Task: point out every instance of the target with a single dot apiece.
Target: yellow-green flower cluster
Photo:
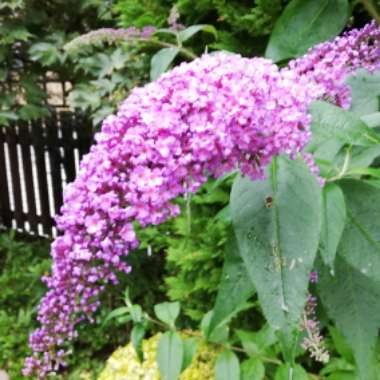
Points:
(125, 365)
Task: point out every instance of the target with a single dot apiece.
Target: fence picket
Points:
(11, 139)
(36, 160)
(5, 210)
(25, 142)
(55, 159)
(39, 149)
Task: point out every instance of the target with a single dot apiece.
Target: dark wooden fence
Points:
(37, 159)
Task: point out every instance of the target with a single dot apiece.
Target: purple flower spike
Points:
(314, 277)
(208, 117)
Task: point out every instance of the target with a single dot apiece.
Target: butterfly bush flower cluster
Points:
(173, 20)
(112, 35)
(205, 118)
(329, 63)
(313, 341)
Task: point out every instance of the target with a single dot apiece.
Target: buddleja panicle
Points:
(202, 119)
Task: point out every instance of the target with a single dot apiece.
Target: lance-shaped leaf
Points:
(235, 287)
(189, 32)
(331, 122)
(190, 346)
(286, 372)
(360, 243)
(333, 222)
(170, 355)
(227, 366)
(352, 301)
(365, 92)
(277, 225)
(303, 24)
(252, 369)
(137, 336)
(161, 61)
(372, 119)
(362, 157)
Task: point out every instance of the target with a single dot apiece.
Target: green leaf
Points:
(255, 343)
(161, 61)
(235, 287)
(336, 364)
(99, 65)
(328, 150)
(372, 120)
(265, 337)
(363, 156)
(7, 116)
(341, 345)
(285, 372)
(84, 97)
(167, 312)
(331, 122)
(137, 336)
(327, 169)
(32, 111)
(373, 182)
(277, 224)
(365, 92)
(119, 59)
(252, 369)
(216, 335)
(46, 53)
(127, 297)
(120, 311)
(342, 375)
(190, 346)
(33, 92)
(333, 222)
(101, 114)
(372, 172)
(136, 313)
(303, 24)
(184, 35)
(352, 301)
(165, 31)
(224, 215)
(170, 355)
(227, 366)
(11, 32)
(248, 342)
(360, 243)
(3, 74)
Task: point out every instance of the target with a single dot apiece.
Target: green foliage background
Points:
(183, 259)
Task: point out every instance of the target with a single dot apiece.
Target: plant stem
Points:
(197, 334)
(345, 166)
(290, 374)
(263, 358)
(183, 51)
(188, 213)
(371, 9)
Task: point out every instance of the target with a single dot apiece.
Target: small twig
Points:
(263, 358)
(371, 9)
(188, 212)
(183, 51)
